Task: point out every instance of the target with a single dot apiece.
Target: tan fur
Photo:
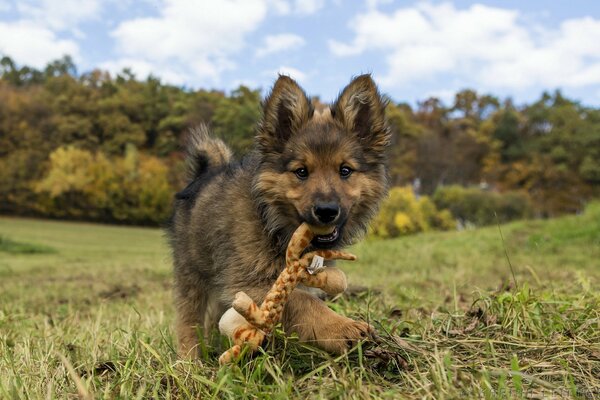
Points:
(322, 116)
(234, 220)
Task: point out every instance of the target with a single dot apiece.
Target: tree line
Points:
(109, 148)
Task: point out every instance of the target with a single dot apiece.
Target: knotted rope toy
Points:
(247, 324)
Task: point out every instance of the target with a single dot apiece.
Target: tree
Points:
(549, 148)
(403, 147)
(508, 133)
(235, 118)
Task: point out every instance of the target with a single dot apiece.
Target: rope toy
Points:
(247, 324)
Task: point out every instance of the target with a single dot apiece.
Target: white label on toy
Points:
(316, 265)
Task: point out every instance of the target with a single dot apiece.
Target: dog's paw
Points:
(343, 334)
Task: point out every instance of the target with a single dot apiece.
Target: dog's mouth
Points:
(328, 238)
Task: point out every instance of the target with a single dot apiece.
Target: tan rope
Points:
(261, 320)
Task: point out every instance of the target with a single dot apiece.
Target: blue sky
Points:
(415, 49)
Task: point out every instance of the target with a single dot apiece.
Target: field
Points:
(510, 311)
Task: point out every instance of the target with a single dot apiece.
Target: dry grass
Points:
(93, 319)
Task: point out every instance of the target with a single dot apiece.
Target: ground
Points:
(509, 311)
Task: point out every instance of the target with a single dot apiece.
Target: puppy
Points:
(233, 221)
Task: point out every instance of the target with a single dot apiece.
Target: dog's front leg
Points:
(317, 324)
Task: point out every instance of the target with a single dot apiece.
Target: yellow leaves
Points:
(403, 223)
(68, 171)
(445, 220)
(133, 188)
(403, 213)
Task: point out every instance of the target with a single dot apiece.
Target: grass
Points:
(93, 317)
(10, 246)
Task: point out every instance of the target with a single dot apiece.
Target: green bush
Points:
(481, 207)
(402, 213)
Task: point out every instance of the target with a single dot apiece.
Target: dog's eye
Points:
(301, 173)
(345, 172)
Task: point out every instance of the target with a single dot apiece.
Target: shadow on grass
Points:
(10, 246)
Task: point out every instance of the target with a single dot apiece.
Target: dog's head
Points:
(326, 168)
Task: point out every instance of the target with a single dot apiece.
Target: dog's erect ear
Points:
(286, 110)
(361, 109)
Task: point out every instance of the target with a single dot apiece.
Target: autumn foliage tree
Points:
(108, 147)
(85, 185)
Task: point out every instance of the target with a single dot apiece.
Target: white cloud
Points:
(281, 42)
(32, 39)
(308, 6)
(375, 3)
(142, 69)
(59, 15)
(486, 46)
(280, 6)
(302, 7)
(445, 95)
(201, 38)
(28, 43)
(292, 72)
(183, 44)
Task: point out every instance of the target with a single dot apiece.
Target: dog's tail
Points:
(205, 152)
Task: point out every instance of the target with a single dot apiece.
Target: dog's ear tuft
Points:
(286, 110)
(361, 110)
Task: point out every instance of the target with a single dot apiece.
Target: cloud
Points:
(308, 6)
(182, 43)
(486, 46)
(197, 44)
(201, 38)
(59, 15)
(445, 95)
(281, 42)
(375, 3)
(292, 72)
(142, 69)
(28, 43)
(33, 38)
(302, 7)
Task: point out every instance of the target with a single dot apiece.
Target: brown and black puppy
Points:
(234, 220)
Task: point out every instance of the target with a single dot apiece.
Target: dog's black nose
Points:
(326, 212)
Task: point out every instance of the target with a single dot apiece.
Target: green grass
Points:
(91, 316)
(10, 246)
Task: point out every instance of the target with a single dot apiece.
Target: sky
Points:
(414, 49)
